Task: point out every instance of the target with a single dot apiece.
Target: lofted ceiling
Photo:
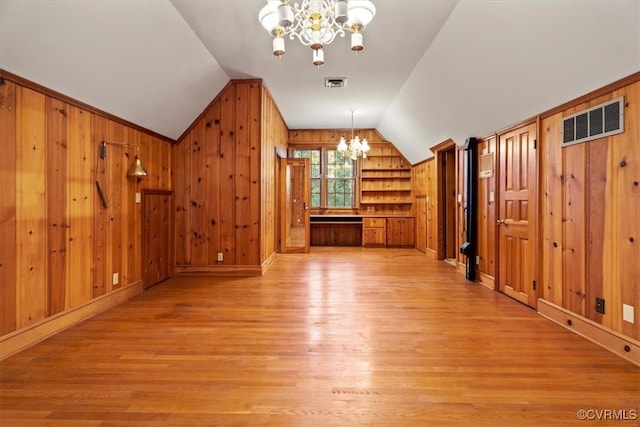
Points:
(430, 70)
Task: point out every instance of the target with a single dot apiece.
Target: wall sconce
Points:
(136, 170)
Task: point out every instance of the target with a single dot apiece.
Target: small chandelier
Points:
(355, 148)
(316, 23)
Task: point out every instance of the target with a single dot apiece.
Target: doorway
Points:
(449, 204)
(294, 205)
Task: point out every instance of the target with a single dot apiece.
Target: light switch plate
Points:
(459, 198)
(492, 197)
(138, 197)
(116, 278)
(628, 313)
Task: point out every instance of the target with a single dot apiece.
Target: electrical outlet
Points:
(220, 257)
(600, 305)
(116, 278)
(477, 259)
(459, 198)
(628, 313)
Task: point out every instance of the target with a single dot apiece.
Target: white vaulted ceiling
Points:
(431, 69)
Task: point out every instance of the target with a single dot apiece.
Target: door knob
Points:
(500, 221)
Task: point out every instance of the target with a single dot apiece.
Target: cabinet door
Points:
(401, 232)
(374, 237)
(408, 238)
(374, 232)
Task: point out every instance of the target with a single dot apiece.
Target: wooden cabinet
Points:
(401, 232)
(374, 232)
(385, 180)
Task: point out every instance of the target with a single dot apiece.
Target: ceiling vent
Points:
(335, 82)
(597, 122)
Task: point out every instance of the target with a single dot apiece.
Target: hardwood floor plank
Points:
(337, 337)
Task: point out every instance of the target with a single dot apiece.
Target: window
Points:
(333, 181)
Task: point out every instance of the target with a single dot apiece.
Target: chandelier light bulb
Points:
(278, 46)
(285, 15)
(318, 57)
(357, 42)
(341, 11)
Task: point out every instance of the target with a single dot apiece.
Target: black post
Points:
(469, 248)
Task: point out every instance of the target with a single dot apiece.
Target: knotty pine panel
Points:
(551, 202)
(197, 209)
(222, 204)
(80, 191)
(225, 187)
(31, 228)
(243, 247)
(8, 245)
(57, 222)
(211, 175)
(573, 215)
(100, 214)
(596, 193)
(255, 173)
(181, 166)
(591, 216)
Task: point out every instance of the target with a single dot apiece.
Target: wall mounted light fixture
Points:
(136, 169)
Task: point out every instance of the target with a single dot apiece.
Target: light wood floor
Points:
(338, 337)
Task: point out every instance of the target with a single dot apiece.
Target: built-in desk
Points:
(368, 230)
(336, 230)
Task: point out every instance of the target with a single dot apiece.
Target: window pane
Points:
(315, 200)
(315, 171)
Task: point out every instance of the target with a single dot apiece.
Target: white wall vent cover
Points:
(335, 82)
(603, 120)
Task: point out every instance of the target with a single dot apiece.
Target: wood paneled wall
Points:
(425, 186)
(590, 216)
(225, 183)
(331, 136)
(59, 247)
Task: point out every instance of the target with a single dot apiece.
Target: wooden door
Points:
(294, 205)
(517, 214)
(157, 235)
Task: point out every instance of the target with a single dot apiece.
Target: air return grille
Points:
(602, 120)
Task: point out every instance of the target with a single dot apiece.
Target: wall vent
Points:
(335, 82)
(603, 120)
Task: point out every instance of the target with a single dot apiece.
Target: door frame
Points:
(440, 152)
(284, 167)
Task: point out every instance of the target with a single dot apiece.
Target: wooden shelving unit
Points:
(385, 178)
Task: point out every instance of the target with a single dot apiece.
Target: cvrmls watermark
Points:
(607, 414)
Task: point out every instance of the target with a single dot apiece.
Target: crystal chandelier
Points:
(355, 148)
(316, 23)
